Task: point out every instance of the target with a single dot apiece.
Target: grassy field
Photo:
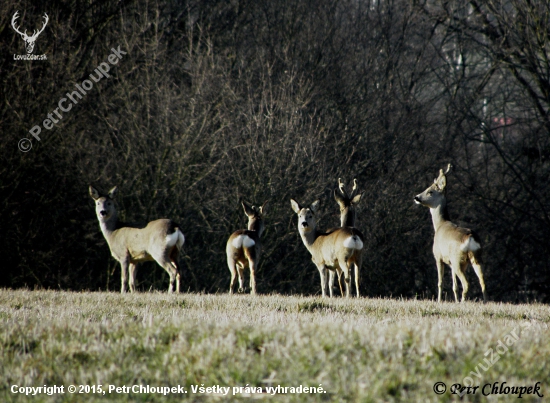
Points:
(358, 350)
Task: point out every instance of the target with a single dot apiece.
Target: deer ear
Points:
(338, 197)
(295, 206)
(93, 192)
(248, 209)
(112, 193)
(262, 209)
(315, 206)
(441, 181)
(355, 201)
(342, 187)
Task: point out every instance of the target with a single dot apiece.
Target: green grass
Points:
(359, 350)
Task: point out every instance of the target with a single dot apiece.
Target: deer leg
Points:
(463, 281)
(174, 254)
(357, 278)
(253, 256)
(476, 264)
(345, 268)
(132, 277)
(455, 285)
(339, 272)
(440, 267)
(240, 270)
(163, 260)
(252, 265)
(330, 282)
(172, 279)
(323, 273)
(172, 272)
(233, 270)
(178, 276)
(123, 273)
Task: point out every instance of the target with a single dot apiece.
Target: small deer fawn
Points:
(453, 245)
(160, 240)
(244, 248)
(337, 248)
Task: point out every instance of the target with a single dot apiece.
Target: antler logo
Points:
(29, 40)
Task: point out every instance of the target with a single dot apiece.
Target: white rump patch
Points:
(248, 242)
(181, 239)
(237, 242)
(243, 240)
(353, 242)
(176, 238)
(470, 244)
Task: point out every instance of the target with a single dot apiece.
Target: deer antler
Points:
(354, 190)
(24, 34)
(449, 168)
(35, 34)
(342, 188)
(15, 16)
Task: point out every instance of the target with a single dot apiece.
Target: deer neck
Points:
(109, 226)
(347, 218)
(257, 226)
(440, 215)
(309, 237)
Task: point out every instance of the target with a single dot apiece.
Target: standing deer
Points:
(453, 245)
(338, 248)
(348, 215)
(160, 240)
(243, 247)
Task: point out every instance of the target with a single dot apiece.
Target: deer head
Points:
(105, 205)
(347, 203)
(434, 195)
(29, 40)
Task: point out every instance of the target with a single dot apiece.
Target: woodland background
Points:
(267, 100)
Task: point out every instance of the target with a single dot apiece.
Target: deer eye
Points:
(430, 193)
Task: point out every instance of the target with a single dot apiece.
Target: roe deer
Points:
(347, 203)
(453, 245)
(161, 241)
(243, 247)
(348, 215)
(338, 248)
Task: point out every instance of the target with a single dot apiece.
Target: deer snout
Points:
(305, 224)
(417, 199)
(103, 213)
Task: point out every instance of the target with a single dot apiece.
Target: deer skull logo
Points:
(29, 40)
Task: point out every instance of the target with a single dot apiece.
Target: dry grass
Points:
(359, 350)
